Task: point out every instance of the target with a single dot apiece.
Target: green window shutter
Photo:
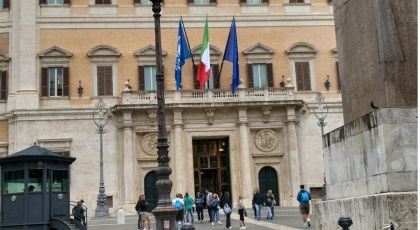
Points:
(66, 81)
(250, 76)
(3, 85)
(141, 78)
(270, 81)
(44, 82)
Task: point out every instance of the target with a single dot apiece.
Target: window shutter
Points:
(216, 80)
(213, 1)
(196, 83)
(136, 1)
(303, 80)
(42, 2)
(243, 1)
(190, 1)
(6, 4)
(270, 82)
(338, 75)
(100, 81)
(3, 85)
(66, 81)
(264, 1)
(108, 81)
(141, 78)
(44, 82)
(67, 2)
(250, 76)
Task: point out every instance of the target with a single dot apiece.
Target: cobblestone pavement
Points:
(285, 219)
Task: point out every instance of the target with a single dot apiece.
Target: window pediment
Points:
(214, 53)
(4, 57)
(104, 51)
(147, 55)
(302, 49)
(258, 53)
(56, 52)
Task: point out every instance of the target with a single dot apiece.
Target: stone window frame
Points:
(55, 57)
(104, 55)
(260, 54)
(57, 145)
(302, 52)
(215, 55)
(146, 56)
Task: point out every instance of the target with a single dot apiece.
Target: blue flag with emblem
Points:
(231, 54)
(182, 53)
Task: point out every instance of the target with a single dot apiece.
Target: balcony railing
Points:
(209, 96)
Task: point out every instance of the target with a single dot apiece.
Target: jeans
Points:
(215, 213)
(269, 214)
(200, 214)
(190, 212)
(139, 222)
(258, 211)
(228, 220)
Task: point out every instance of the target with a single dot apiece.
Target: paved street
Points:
(285, 219)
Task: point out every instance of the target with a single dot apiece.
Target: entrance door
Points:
(150, 190)
(211, 165)
(268, 181)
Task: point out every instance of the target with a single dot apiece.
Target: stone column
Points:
(293, 152)
(24, 75)
(129, 159)
(245, 157)
(179, 158)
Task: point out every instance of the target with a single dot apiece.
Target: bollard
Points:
(187, 226)
(120, 216)
(345, 222)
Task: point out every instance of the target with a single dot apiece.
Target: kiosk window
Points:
(35, 180)
(13, 182)
(60, 181)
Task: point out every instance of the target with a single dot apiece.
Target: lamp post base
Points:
(101, 211)
(165, 217)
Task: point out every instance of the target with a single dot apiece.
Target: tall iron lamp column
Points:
(101, 117)
(321, 112)
(164, 212)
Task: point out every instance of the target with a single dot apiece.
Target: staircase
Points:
(70, 224)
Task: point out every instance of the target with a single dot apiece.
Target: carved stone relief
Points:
(266, 140)
(149, 143)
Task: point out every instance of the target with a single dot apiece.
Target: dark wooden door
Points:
(150, 190)
(268, 180)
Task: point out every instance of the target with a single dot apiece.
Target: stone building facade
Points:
(58, 57)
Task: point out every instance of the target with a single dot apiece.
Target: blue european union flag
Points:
(182, 53)
(231, 54)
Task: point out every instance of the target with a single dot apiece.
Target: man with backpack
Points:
(304, 197)
(178, 203)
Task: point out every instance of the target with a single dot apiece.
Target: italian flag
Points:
(203, 72)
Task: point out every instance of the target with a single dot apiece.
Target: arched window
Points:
(268, 180)
(301, 56)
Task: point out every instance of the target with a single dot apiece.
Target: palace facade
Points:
(57, 57)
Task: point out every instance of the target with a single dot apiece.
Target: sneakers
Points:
(243, 227)
(219, 222)
(212, 223)
(230, 227)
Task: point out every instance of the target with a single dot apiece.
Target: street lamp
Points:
(164, 212)
(321, 112)
(101, 117)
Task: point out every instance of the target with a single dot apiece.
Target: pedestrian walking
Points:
(209, 197)
(258, 201)
(78, 213)
(304, 197)
(188, 201)
(242, 212)
(178, 203)
(215, 204)
(268, 204)
(273, 202)
(141, 207)
(199, 205)
(227, 208)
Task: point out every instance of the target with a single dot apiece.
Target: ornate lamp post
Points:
(164, 212)
(321, 113)
(101, 117)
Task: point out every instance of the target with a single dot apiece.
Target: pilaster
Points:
(293, 152)
(180, 158)
(129, 160)
(24, 85)
(245, 154)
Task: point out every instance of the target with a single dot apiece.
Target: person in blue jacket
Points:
(304, 197)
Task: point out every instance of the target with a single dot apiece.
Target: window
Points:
(150, 78)
(259, 74)
(60, 181)
(35, 180)
(202, 2)
(55, 2)
(54, 82)
(296, 1)
(143, 2)
(104, 80)
(4, 4)
(13, 182)
(3, 85)
(215, 53)
(259, 68)
(213, 82)
(253, 1)
(303, 79)
(102, 1)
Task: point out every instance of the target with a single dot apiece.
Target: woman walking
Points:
(188, 206)
(242, 213)
(227, 208)
(273, 202)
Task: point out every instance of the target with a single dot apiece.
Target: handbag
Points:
(227, 209)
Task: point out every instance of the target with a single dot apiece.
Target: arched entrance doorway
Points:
(150, 190)
(268, 180)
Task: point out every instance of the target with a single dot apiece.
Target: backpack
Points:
(227, 209)
(178, 204)
(199, 202)
(304, 197)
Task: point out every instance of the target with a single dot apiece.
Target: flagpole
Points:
(186, 37)
(223, 61)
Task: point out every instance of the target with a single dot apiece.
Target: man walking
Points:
(209, 199)
(258, 200)
(304, 197)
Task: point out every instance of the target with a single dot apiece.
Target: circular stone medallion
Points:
(266, 140)
(149, 144)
